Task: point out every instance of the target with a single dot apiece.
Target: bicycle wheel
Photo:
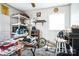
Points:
(42, 42)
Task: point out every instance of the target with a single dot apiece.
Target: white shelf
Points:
(18, 24)
(20, 16)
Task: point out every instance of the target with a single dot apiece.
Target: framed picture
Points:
(38, 14)
(5, 9)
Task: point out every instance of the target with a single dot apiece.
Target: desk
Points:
(74, 42)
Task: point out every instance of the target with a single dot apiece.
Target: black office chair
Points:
(60, 34)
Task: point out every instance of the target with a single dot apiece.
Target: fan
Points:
(33, 5)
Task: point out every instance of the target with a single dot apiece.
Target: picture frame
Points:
(38, 14)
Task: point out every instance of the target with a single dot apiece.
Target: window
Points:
(57, 21)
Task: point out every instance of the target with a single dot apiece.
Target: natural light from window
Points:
(57, 21)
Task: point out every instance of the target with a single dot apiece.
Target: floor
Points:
(38, 52)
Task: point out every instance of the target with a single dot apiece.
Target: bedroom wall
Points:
(46, 33)
(5, 23)
(75, 14)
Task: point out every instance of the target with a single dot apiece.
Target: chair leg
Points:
(33, 52)
(19, 52)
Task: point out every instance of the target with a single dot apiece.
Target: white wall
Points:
(75, 13)
(4, 26)
(46, 33)
(11, 11)
(5, 23)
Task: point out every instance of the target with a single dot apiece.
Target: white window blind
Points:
(57, 21)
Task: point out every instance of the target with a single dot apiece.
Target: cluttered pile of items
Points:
(18, 40)
(70, 39)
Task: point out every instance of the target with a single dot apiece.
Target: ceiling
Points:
(28, 6)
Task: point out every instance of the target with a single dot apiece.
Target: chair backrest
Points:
(60, 34)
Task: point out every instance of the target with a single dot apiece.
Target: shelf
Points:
(39, 21)
(34, 34)
(17, 16)
(18, 24)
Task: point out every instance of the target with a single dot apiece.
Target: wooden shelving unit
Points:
(21, 18)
